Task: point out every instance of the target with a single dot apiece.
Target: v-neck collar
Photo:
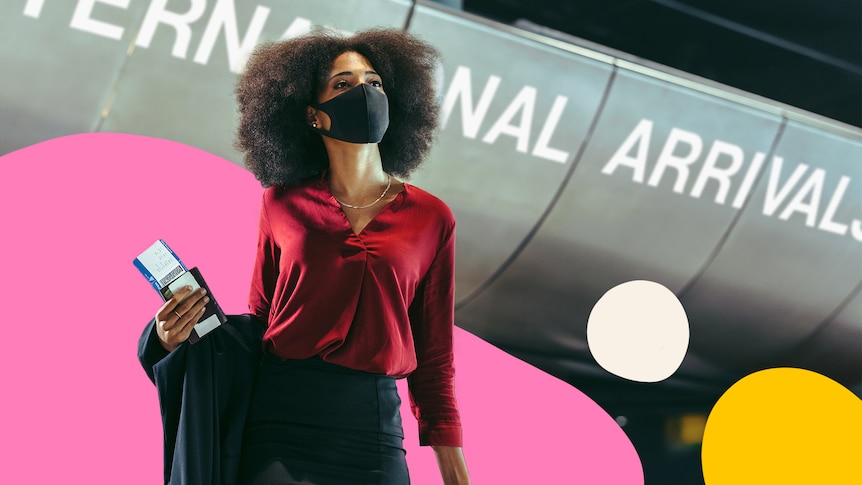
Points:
(388, 206)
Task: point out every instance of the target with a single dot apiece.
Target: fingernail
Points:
(207, 300)
(187, 288)
(203, 291)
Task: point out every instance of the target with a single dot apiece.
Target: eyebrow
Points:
(350, 73)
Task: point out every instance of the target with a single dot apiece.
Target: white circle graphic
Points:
(639, 331)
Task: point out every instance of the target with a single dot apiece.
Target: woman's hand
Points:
(176, 319)
(453, 468)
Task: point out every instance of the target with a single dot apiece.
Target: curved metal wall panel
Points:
(651, 198)
(836, 347)
(792, 259)
(160, 68)
(515, 113)
(190, 98)
(56, 74)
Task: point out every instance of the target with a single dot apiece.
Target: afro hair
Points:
(283, 78)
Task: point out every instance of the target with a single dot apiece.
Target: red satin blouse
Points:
(380, 301)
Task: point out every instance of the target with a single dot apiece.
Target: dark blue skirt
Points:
(312, 422)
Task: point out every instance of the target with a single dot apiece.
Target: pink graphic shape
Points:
(78, 209)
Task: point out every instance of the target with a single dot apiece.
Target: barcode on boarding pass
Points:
(171, 276)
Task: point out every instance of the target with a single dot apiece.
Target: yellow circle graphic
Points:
(784, 426)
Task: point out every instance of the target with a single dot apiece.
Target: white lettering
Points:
(516, 120)
(668, 159)
(157, 14)
(224, 18)
(773, 200)
(542, 149)
(787, 192)
(471, 119)
(524, 103)
(748, 181)
(299, 26)
(81, 19)
(720, 175)
(813, 189)
(856, 229)
(640, 136)
(827, 223)
(33, 8)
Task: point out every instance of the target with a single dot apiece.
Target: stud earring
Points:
(314, 124)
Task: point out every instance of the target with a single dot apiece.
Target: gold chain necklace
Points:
(388, 184)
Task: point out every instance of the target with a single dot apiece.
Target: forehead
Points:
(350, 61)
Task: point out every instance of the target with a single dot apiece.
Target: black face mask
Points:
(358, 115)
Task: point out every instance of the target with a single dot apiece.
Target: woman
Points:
(354, 273)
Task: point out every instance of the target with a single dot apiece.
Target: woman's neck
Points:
(354, 169)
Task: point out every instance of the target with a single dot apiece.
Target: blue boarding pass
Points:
(159, 265)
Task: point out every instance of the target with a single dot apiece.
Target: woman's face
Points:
(348, 70)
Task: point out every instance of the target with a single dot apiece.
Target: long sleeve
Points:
(431, 385)
(150, 351)
(265, 273)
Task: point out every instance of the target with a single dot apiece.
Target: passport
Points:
(166, 273)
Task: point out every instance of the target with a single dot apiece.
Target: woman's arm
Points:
(265, 270)
(453, 468)
(431, 385)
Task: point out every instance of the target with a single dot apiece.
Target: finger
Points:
(191, 317)
(200, 304)
(180, 329)
(170, 318)
(172, 303)
(190, 301)
(171, 322)
(189, 323)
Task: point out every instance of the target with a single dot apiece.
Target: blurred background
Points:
(804, 53)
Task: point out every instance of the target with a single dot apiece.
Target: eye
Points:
(340, 84)
(376, 83)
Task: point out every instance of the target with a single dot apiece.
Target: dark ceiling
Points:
(804, 53)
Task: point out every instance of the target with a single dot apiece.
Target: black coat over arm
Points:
(204, 393)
